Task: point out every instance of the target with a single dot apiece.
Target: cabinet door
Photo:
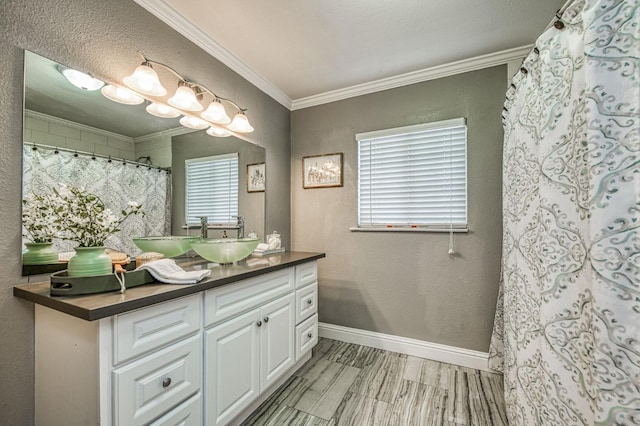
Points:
(277, 339)
(232, 362)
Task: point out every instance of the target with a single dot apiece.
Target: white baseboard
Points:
(407, 346)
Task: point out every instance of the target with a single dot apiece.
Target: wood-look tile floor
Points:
(348, 384)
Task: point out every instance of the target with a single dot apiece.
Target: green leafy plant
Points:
(83, 217)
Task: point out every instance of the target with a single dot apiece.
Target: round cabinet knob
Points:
(259, 323)
(309, 335)
(309, 301)
(166, 382)
(266, 319)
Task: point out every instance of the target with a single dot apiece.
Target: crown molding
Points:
(169, 132)
(440, 71)
(178, 22)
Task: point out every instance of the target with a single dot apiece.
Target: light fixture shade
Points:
(216, 113)
(81, 80)
(121, 95)
(185, 99)
(218, 132)
(193, 122)
(240, 123)
(162, 110)
(145, 80)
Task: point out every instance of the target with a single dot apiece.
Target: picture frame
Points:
(322, 171)
(256, 177)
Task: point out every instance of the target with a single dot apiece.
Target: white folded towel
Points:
(262, 247)
(167, 271)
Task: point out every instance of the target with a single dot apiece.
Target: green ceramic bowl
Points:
(170, 246)
(225, 250)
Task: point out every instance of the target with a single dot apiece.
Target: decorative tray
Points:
(62, 285)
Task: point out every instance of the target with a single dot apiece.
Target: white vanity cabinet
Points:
(126, 370)
(250, 343)
(207, 358)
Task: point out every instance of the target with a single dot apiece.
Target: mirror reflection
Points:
(122, 153)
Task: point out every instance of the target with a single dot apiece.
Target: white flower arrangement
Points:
(82, 216)
(39, 220)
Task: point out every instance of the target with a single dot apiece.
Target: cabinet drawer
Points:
(306, 336)
(189, 413)
(149, 387)
(306, 274)
(230, 300)
(149, 328)
(306, 302)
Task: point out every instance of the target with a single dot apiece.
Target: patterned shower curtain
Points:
(114, 182)
(567, 326)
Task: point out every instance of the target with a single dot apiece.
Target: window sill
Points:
(399, 229)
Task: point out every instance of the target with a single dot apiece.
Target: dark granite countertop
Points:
(96, 306)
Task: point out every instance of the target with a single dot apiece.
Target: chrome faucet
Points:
(240, 226)
(204, 231)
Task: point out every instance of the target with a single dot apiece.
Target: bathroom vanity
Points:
(161, 354)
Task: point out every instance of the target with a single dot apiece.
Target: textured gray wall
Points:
(102, 37)
(400, 283)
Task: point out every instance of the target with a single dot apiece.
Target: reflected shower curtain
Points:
(114, 182)
(567, 326)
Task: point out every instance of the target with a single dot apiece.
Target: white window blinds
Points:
(413, 177)
(212, 188)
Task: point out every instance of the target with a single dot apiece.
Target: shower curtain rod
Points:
(553, 21)
(93, 156)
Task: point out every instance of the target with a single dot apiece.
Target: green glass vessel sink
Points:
(170, 245)
(226, 250)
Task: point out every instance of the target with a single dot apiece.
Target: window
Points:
(413, 177)
(212, 188)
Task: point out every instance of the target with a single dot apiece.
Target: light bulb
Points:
(185, 99)
(218, 132)
(193, 122)
(145, 80)
(162, 110)
(240, 123)
(216, 113)
(121, 95)
(81, 80)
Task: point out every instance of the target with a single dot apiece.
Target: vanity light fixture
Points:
(80, 80)
(240, 123)
(216, 113)
(218, 132)
(193, 122)
(145, 80)
(162, 110)
(121, 95)
(185, 98)
(190, 97)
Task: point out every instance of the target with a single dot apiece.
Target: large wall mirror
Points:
(99, 138)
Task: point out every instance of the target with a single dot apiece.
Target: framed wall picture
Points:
(256, 177)
(322, 171)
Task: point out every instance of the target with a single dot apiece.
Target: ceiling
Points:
(311, 52)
